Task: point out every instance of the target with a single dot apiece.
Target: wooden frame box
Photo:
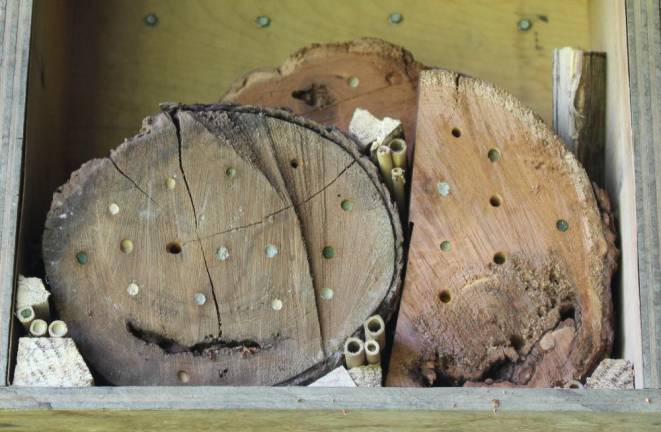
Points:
(76, 77)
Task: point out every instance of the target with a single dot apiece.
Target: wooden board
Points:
(15, 20)
(509, 266)
(644, 30)
(259, 242)
(326, 83)
(329, 409)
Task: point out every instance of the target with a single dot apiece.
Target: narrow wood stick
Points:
(38, 328)
(579, 106)
(375, 329)
(354, 352)
(384, 156)
(26, 316)
(398, 148)
(373, 352)
(398, 187)
(58, 329)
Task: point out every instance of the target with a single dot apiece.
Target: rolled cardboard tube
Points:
(372, 352)
(354, 352)
(398, 148)
(384, 156)
(58, 329)
(375, 329)
(398, 187)
(38, 328)
(26, 315)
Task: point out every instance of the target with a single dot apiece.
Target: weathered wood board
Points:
(222, 245)
(509, 265)
(327, 82)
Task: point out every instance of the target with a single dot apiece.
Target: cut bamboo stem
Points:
(58, 329)
(38, 328)
(399, 187)
(375, 329)
(26, 316)
(372, 352)
(354, 352)
(398, 148)
(384, 156)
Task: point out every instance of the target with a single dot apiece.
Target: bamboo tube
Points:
(58, 329)
(398, 187)
(354, 352)
(38, 328)
(373, 352)
(26, 315)
(375, 329)
(398, 148)
(384, 156)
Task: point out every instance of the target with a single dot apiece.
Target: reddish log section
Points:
(326, 83)
(222, 245)
(510, 262)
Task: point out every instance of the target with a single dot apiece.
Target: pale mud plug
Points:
(232, 263)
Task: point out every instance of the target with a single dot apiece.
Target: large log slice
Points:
(510, 261)
(221, 245)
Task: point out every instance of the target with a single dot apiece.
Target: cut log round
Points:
(222, 245)
(510, 262)
(326, 83)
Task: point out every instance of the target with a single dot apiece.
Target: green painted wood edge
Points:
(309, 398)
(644, 46)
(15, 20)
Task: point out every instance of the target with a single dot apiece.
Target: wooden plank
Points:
(15, 18)
(644, 30)
(442, 399)
(509, 263)
(609, 34)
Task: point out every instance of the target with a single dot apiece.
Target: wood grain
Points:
(251, 201)
(527, 258)
(333, 409)
(644, 30)
(15, 20)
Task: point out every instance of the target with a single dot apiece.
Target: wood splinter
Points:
(368, 129)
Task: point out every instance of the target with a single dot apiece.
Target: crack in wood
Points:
(175, 121)
(126, 176)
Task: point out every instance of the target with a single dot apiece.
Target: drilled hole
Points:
(456, 133)
(499, 258)
(517, 342)
(493, 155)
(173, 247)
(353, 347)
(495, 201)
(294, 163)
(445, 296)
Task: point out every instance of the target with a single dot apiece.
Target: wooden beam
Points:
(644, 40)
(15, 19)
(333, 409)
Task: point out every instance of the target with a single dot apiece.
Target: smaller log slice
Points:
(222, 245)
(327, 82)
